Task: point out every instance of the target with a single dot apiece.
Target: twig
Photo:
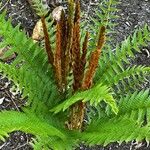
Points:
(21, 146)
(27, 143)
(12, 101)
(2, 145)
(147, 52)
(4, 5)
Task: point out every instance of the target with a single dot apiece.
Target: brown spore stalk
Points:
(47, 41)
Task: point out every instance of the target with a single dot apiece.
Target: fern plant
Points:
(76, 76)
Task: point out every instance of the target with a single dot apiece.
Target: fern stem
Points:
(76, 50)
(70, 26)
(93, 63)
(57, 57)
(60, 57)
(64, 61)
(84, 53)
(77, 116)
(47, 42)
(78, 109)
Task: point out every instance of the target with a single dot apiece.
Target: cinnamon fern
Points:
(76, 75)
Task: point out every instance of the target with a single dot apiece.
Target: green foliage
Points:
(117, 110)
(94, 96)
(131, 122)
(117, 69)
(27, 122)
(30, 69)
(39, 7)
(105, 15)
(48, 136)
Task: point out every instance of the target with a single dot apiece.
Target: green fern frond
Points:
(51, 31)
(54, 143)
(48, 136)
(12, 120)
(30, 84)
(115, 66)
(39, 7)
(30, 70)
(126, 78)
(29, 53)
(131, 123)
(94, 95)
(39, 144)
(105, 13)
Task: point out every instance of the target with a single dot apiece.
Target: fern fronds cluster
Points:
(115, 71)
(77, 75)
(131, 122)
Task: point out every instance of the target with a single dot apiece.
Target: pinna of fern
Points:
(42, 75)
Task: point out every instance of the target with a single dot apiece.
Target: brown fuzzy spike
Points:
(59, 60)
(64, 68)
(76, 49)
(93, 63)
(84, 52)
(76, 58)
(78, 109)
(77, 11)
(47, 42)
(91, 70)
(70, 26)
(101, 39)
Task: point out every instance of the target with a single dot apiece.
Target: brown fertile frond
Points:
(77, 116)
(77, 11)
(70, 26)
(84, 52)
(70, 11)
(59, 59)
(93, 62)
(102, 38)
(64, 61)
(78, 109)
(87, 82)
(76, 58)
(47, 42)
(77, 71)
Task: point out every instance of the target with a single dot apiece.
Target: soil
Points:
(133, 14)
